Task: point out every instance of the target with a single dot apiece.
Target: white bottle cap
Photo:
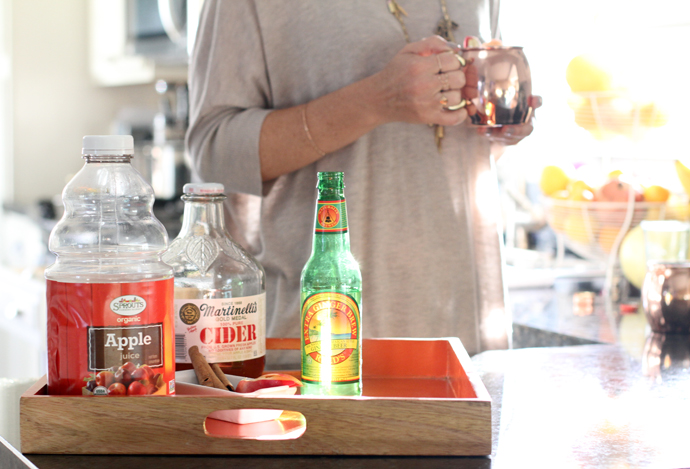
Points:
(115, 145)
(206, 188)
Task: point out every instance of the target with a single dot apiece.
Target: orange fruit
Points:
(607, 236)
(655, 193)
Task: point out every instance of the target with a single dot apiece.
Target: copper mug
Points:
(666, 287)
(503, 82)
(666, 297)
(666, 356)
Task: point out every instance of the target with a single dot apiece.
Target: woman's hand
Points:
(512, 134)
(422, 84)
(505, 135)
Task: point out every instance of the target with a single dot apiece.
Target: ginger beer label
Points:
(330, 336)
(331, 216)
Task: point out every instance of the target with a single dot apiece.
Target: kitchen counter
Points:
(576, 311)
(584, 406)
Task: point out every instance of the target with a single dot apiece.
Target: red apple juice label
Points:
(111, 339)
(224, 329)
(330, 339)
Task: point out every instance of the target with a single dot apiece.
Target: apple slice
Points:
(269, 380)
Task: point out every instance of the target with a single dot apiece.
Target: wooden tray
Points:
(421, 397)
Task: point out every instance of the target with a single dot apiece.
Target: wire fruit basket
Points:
(594, 230)
(606, 114)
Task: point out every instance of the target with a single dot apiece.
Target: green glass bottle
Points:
(331, 294)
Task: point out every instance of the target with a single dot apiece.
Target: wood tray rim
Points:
(462, 425)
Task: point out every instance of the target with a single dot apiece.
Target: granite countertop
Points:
(589, 406)
(577, 311)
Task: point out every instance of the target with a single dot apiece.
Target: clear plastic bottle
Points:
(220, 289)
(110, 317)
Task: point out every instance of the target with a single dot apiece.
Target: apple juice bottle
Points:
(331, 298)
(109, 294)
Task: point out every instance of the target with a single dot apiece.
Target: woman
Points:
(283, 90)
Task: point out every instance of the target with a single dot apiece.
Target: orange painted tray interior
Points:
(408, 385)
(406, 368)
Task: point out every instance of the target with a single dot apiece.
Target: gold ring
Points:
(440, 68)
(461, 59)
(457, 107)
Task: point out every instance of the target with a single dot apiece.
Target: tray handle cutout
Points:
(255, 424)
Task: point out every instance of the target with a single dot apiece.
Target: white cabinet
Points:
(124, 50)
(22, 325)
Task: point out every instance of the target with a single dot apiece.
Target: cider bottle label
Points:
(330, 330)
(224, 329)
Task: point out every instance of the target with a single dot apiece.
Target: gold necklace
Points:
(445, 29)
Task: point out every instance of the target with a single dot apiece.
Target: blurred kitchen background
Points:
(613, 75)
(69, 69)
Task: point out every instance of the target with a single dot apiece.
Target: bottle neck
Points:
(108, 158)
(331, 242)
(203, 215)
(330, 221)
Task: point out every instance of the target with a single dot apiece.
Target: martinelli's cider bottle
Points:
(331, 286)
(220, 293)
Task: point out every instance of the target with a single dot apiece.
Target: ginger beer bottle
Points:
(331, 295)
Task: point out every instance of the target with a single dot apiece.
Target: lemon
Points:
(581, 196)
(553, 179)
(677, 208)
(580, 191)
(577, 229)
(560, 195)
(596, 125)
(633, 260)
(579, 185)
(584, 74)
(615, 174)
(652, 116)
(656, 193)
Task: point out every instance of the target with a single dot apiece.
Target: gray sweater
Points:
(413, 217)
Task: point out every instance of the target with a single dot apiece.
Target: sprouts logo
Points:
(128, 305)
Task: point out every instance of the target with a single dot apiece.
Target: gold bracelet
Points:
(306, 130)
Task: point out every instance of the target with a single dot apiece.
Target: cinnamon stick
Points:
(204, 372)
(221, 376)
